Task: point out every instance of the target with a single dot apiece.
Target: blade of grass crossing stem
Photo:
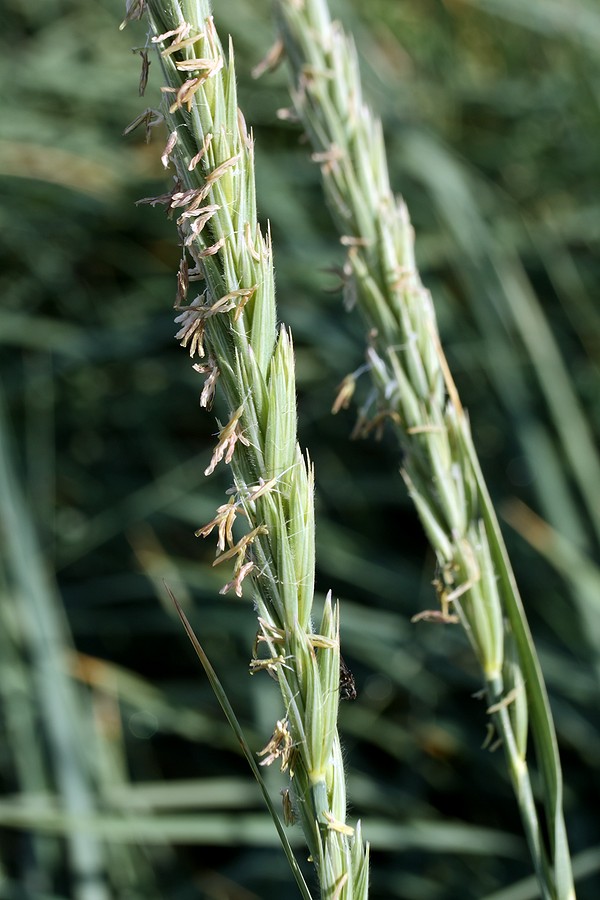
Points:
(543, 732)
(237, 729)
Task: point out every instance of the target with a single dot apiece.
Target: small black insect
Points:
(347, 682)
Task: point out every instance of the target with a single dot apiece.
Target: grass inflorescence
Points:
(227, 321)
(415, 392)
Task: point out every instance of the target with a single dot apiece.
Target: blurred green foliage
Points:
(119, 776)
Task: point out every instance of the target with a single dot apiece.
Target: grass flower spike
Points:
(227, 321)
(416, 393)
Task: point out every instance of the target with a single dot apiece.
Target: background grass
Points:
(493, 124)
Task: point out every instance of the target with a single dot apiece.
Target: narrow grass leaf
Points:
(239, 733)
